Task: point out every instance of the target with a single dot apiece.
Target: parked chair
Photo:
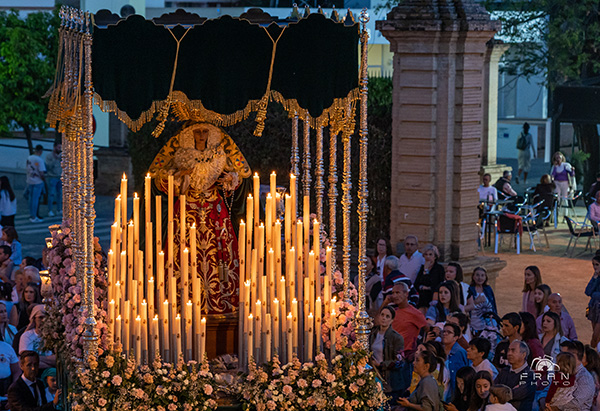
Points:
(509, 224)
(533, 221)
(579, 230)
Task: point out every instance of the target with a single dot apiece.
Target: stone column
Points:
(494, 51)
(438, 100)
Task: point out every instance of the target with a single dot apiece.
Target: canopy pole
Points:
(363, 321)
(333, 193)
(319, 173)
(90, 335)
(347, 198)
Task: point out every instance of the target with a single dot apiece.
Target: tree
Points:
(28, 50)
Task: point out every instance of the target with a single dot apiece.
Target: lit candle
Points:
(290, 338)
(133, 297)
(299, 247)
(111, 273)
(117, 336)
(140, 275)
(288, 221)
(159, 234)
(144, 330)
(173, 292)
(202, 338)
(151, 297)
(149, 252)
(171, 247)
(118, 302)
(171, 194)
(267, 338)
(291, 277)
(154, 337)
(188, 329)
(293, 196)
(185, 277)
(249, 232)
(124, 199)
(250, 341)
(261, 250)
(271, 272)
(241, 251)
(273, 188)
(277, 242)
(160, 273)
(333, 329)
(247, 294)
(309, 345)
(258, 335)
(182, 226)
(136, 223)
(310, 292)
(147, 197)
(164, 320)
(256, 193)
(269, 220)
(275, 329)
(328, 276)
(130, 250)
(111, 318)
(117, 214)
(177, 338)
(126, 328)
(123, 267)
(317, 248)
(295, 324)
(257, 324)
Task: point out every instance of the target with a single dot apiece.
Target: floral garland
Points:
(63, 331)
(345, 384)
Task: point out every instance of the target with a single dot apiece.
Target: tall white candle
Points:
(242, 251)
(249, 233)
(182, 226)
(256, 197)
(147, 198)
(250, 342)
(158, 223)
(111, 318)
(188, 330)
(151, 307)
(318, 318)
(295, 324)
(202, 338)
(275, 329)
(136, 223)
(144, 330)
(118, 332)
(177, 338)
(290, 337)
(269, 221)
(149, 252)
(261, 250)
(267, 332)
(185, 278)
(124, 199)
(138, 340)
(160, 273)
(309, 345)
(333, 329)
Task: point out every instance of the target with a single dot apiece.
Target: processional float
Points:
(216, 72)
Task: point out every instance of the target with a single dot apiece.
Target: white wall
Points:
(507, 139)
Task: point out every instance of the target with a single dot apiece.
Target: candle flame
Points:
(135, 195)
(147, 175)
(194, 225)
(178, 317)
(123, 253)
(118, 283)
(249, 317)
(112, 301)
(333, 312)
(138, 318)
(258, 302)
(161, 253)
(155, 317)
(151, 280)
(115, 224)
(311, 253)
(250, 196)
(185, 250)
(292, 249)
(144, 302)
(294, 301)
(111, 251)
(118, 197)
(310, 315)
(319, 299)
(189, 302)
(166, 302)
(241, 222)
(289, 315)
(203, 320)
(131, 223)
(255, 174)
(119, 317)
(124, 177)
(333, 299)
(276, 301)
(247, 283)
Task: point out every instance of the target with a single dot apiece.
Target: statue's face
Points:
(201, 137)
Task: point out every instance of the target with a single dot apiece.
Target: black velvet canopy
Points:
(225, 65)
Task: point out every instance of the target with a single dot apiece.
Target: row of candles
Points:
(145, 314)
(280, 312)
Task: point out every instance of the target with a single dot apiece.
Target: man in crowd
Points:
(6, 264)
(487, 192)
(35, 182)
(477, 353)
(392, 275)
(28, 393)
(556, 306)
(53, 165)
(511, 325)
(456, 356)
(408, 320)
(518, 376)
(583, 396)
(412, 260)
(503, 184)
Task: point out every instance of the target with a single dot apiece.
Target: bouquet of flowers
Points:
(345, 384)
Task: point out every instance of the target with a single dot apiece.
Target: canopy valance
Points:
(220, 70)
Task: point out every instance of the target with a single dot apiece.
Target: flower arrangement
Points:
(64, 329)
(345, 384)
(113, 382)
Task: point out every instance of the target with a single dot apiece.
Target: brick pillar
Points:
(438, 100)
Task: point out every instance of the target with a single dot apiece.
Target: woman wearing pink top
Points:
(533, 278)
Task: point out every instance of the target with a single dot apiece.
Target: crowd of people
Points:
(440, 342)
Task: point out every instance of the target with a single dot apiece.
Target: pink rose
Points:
(208, 389)
(339, 401)
(102, 402)
(317, 383)
(287, 390)
(117, 380)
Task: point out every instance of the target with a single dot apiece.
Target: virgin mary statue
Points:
(209, 169)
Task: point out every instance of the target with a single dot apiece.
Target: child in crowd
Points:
(500, 395)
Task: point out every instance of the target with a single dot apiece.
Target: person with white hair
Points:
(411, 261)
(31, 340)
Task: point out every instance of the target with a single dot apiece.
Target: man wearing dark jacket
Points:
(27, 393)
(518, 376)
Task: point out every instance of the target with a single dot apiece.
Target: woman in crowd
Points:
(384, 248)
(441, 373)
(592, 290)
(529, 335)
(447, 302)
(429, 277)
(532, 278)
(562, 172)
(595, 210)
(385, 345)
(11, 239)
(552, 334)
(465, 381)
(427, 395)
(373, 285)
(480, 396)
(31, 340)
(7, 331)
(559, 395)
(454, 272)
(18, 314)
(544, 191)
(8, 203)
(591, 361)
(480, 300)
(540, 298)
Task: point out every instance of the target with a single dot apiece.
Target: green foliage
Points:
(28, 50)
